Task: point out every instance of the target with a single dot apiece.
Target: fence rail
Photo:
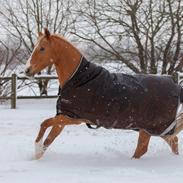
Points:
(13, 97)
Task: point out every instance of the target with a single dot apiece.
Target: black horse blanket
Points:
(121, 101)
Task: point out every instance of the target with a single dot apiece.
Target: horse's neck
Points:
(68, 60)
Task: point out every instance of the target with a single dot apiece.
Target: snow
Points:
(78, 155)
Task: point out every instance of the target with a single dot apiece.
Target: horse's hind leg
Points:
(142, 145)
(173, 143)
(143, 142)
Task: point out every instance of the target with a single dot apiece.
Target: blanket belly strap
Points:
(91, 127)
(170, 130)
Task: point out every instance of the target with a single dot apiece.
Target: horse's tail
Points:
(181, 95)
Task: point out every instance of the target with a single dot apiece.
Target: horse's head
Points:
(53, 49)
(42, 55)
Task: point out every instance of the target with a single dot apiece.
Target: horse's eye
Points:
(42, 49)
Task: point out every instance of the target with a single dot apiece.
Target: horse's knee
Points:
(46, 123)
(176, 139)
(55, 131)
(43, 125)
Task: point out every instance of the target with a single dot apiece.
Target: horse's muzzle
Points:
(28, 72)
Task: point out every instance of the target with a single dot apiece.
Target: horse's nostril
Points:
(27, 71)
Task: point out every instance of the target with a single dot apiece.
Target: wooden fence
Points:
(13, 96)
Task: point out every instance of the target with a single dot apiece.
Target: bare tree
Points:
(10, 54)
(145, 36)
(23, 19)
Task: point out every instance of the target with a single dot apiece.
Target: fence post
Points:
(13, 91)
(175, 76)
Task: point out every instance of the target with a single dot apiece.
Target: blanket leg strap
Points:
(91, 127)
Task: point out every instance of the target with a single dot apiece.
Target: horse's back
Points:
(158, 104)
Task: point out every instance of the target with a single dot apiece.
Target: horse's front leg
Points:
(57, 124)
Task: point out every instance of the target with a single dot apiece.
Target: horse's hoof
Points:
(176, 152)
(135, 157)
(39, 155)
(39, 149)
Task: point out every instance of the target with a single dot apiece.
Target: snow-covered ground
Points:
(78, 155)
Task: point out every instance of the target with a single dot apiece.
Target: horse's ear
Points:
(47, 33)
(40, 34)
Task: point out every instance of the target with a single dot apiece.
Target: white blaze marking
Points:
(28, 64)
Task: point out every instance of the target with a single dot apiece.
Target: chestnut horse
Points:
(54, 49)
